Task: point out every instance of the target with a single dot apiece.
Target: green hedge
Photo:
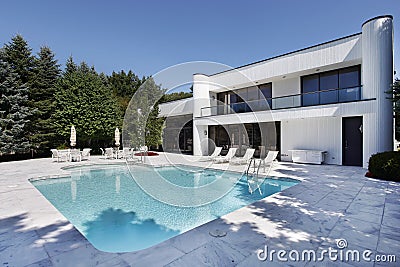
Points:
(385, 165)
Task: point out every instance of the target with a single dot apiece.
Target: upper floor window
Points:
(254, 98)
(332, 86)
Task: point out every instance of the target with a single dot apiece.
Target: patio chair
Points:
(55, 154)
(109, 153)
(125, 153)
(231, 153)
(75, 155)
(216, 153)
(103, 154)
(85, 154)
(245, 159)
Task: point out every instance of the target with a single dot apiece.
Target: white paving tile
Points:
(158, 255)
(85, 255)
(331, 202)
(215, 253)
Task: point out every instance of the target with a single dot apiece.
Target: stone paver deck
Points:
(331, 202)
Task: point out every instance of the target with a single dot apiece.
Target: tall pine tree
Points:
(45, 72)
(14, 111)
(19, 55)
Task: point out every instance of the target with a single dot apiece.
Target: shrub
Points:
(385, 165)
(62, 146)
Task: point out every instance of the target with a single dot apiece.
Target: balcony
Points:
(332, 96)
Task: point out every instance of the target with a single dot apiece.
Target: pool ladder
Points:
(254, 176)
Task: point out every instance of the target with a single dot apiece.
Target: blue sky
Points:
(148, 36)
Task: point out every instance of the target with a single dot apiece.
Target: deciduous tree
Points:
(84, 100)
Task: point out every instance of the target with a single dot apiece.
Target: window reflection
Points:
(329, 87)
(254, 98)
(332, 87)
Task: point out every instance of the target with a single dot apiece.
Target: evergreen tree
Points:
(19, 55)
(46, 72)
(14, 111)
(84, 100)
(70, 66)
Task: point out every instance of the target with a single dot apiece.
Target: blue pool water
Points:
(107, 206)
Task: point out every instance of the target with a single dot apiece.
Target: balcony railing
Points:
(323, 97)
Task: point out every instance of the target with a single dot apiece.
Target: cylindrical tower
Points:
(377, 76)
(201, 99)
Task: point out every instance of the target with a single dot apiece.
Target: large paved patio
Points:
(331, 202)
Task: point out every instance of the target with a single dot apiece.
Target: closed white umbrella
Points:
(117, 137)
(73, 136)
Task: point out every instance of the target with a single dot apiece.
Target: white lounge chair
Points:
(85, 154)
(246, 157)
(231, 153)
(215, 154)
(255, 181)
(269, 160)
(55, 154)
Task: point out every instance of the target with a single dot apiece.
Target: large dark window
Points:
(266, 91)
(310, 86)
(328, 83)
(349, 80)
(260, 136)
(253, 96)
(332, 87)
(178, 134)
(222, 102)
(247, 99)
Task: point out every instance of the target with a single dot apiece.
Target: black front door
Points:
(352, 141)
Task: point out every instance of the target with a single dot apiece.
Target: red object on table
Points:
(146, 154)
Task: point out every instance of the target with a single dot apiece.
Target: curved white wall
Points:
(377, 75)
(201, 98)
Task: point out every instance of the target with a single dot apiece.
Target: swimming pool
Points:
(109, 208)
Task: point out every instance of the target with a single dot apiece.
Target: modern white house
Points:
(329, 97)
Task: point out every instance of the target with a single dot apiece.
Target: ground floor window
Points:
(178, 134)
(260, 136)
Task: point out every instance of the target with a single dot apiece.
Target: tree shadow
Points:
(294, 221)
(23, 244)
(115, 230)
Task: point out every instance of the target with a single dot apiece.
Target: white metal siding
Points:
(315, 134)
(176, 108)
(338, 52)
(286, 87)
